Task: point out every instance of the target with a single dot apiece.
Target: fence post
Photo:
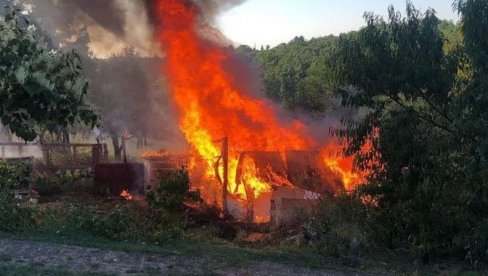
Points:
(75, 155)
(225, 159)
(96, 149)
(47, 155)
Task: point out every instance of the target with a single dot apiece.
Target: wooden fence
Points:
(59, 156)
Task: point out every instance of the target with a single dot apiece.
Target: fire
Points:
(126, 195)
(250, 176)
(260, 219)
(154, 154)
(213, 103)
(342, 165)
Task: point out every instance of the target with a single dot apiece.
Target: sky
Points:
(271, 22)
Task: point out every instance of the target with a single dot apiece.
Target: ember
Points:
(126, 195)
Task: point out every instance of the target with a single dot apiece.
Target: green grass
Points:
(218, 252)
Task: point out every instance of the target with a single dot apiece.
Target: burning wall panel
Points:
(306, 170)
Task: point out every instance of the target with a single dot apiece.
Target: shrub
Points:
(342, 222)
(173, 190)
(47, 185)
(15, 176)
(13, 216)
(115, 222)
(162, 219)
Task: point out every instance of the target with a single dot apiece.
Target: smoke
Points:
(212, 8)
(115, 25)
(27, 151)
(112, 25)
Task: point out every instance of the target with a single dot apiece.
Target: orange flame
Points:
(213, 103)
(126, 195)
(154, 154)
(342, 165)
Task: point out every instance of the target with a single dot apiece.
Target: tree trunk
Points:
(144, 139)
(140, 142)
(42, 137)
(116, 145)
(65, 136)
(8, 134)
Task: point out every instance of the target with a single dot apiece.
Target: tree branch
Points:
(423, 117)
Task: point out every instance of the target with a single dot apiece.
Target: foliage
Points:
(161, 220)
(122, 221)
(343, 221)
(15, 175)
(297, 74)
(173, 190)
(13, 216)
(423, 87)
(49, 185)
(39, 88)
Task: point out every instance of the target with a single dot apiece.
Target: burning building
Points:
(265, 164)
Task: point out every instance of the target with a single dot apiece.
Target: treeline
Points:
(302, 73)
(297, 74)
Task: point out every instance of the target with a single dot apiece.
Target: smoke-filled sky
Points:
(271, 22)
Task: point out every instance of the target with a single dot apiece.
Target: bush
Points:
(47, 185)
(173, 190)
(342, 222)
(119, 222)
(167, 204)
(13, 216)
(15, 176)
(161, 220)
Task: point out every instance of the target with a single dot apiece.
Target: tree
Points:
(39, 88)
(298, 74)
(131, 97)
(423, 90)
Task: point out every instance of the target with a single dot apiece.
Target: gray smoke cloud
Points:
(212, 8)
(114, 25)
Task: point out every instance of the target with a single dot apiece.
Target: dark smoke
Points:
(116, 24)
(103, 12)
(212, 8)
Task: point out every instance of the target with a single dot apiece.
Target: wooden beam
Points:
(225, 180)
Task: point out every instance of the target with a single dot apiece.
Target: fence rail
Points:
(70, 153)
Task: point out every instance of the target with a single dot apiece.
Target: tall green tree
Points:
(298, 74)
(423, 91)
(39, 88)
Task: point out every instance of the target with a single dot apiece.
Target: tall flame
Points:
(212, 104)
